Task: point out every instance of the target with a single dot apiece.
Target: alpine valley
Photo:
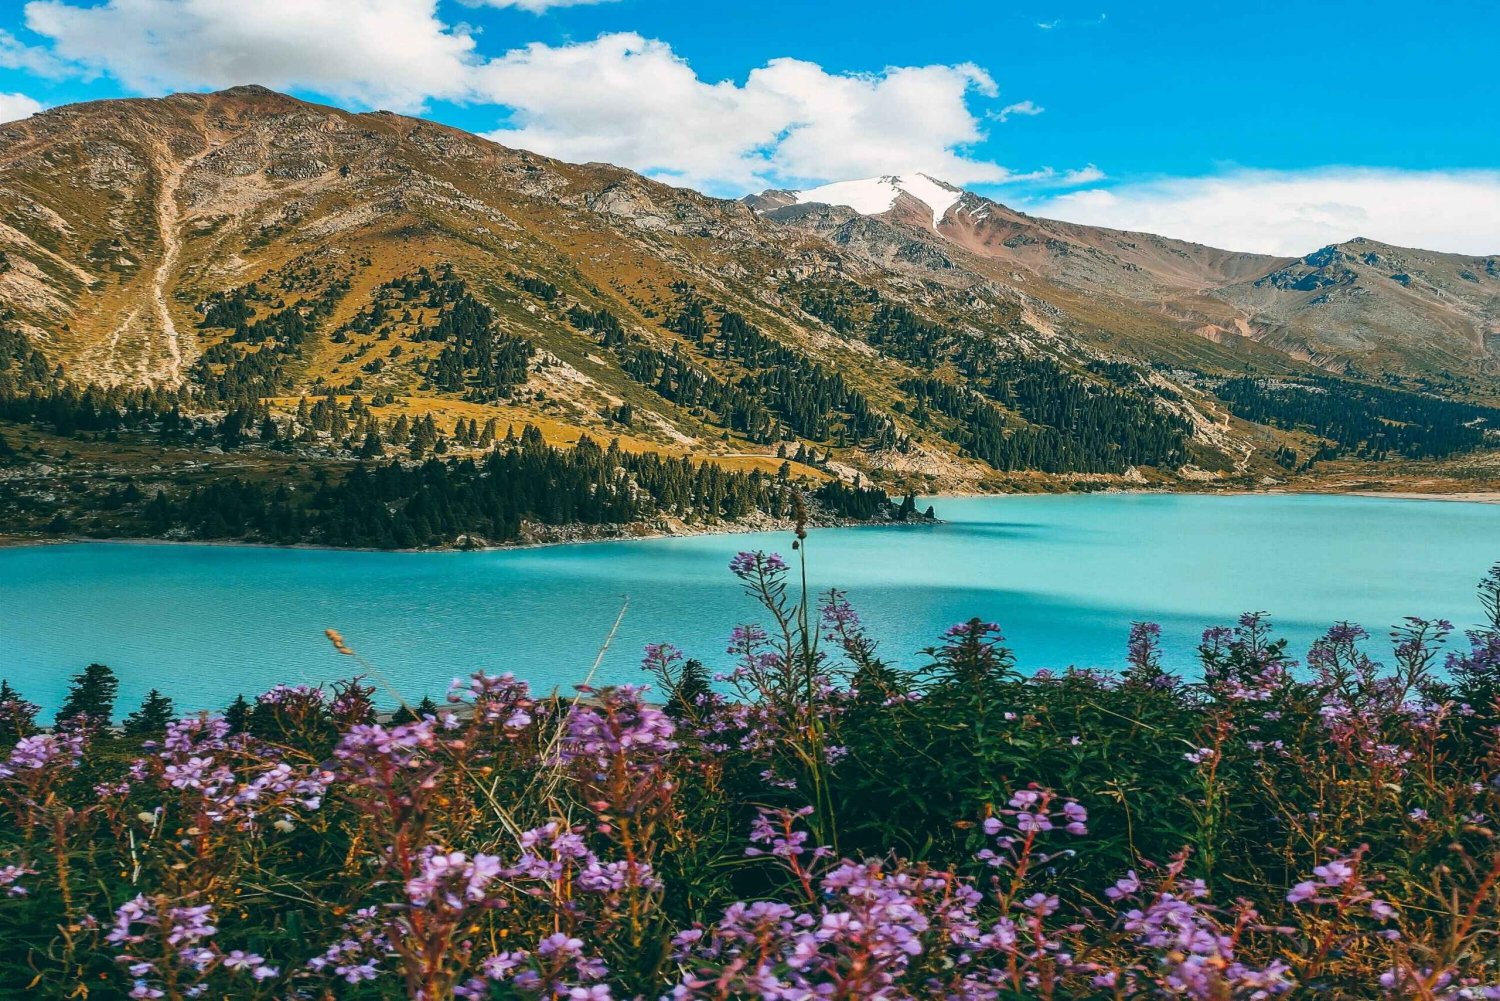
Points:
(243, 316)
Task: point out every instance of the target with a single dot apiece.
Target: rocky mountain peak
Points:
(872, 195)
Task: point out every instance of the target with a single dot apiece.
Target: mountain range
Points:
(245, 248)
(1358, 306)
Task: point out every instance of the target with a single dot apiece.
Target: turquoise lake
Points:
(1064, 576)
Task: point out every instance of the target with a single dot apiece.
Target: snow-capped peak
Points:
(874, 195)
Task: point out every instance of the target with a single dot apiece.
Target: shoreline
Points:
(1463, 496)
(751, 528)
(770, 525)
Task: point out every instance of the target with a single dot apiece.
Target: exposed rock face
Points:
(1378, 307)
(1356, 306)
(121, 220)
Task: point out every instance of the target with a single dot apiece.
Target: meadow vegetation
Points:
(816, 821)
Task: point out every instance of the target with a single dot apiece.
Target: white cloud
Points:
(1061, 21)
(534, 6)
(1019, 108)
(385, 53)
(1083, 175)
(1294, 213)
(17, 55)
(621, 98)
(632, 101)
(14, 107)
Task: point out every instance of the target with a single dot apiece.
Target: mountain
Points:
(1359, 306)
(241, 256)
(911, 194)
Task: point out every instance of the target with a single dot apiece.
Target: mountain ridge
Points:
(245, 249)
(1435, 322)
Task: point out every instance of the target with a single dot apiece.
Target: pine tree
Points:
(17, 716)
(238, 714)
(152, 717)
(692, 687)
(91, 696)
(410, 714)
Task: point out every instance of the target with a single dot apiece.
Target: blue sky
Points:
(1219, 122)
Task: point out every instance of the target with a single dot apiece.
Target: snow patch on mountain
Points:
(874, 195)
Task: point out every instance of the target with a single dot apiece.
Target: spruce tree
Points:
(238, 714)
(410, 714)
(152, 717)
(17, 716)
(91, 696)
(692, 686)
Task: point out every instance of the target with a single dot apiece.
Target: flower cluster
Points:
(594, 847)
(170, 948)
(1337, 883)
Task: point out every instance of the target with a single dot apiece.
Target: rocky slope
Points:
(1360, 306)
(247, 245)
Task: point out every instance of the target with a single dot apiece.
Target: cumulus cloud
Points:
(378, 53)
(621, 97)
(633, 101)
(14, 107)
(1294, 213)
(535, 6)
(17, 55)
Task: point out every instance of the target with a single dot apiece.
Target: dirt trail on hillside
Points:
(163, 353)
(112, 345)
(168, 216)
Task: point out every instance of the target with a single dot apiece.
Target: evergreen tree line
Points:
(1099, 420)
(90, 702)
(985, 432)
(68, 409)
(23, 368)
(478, 360)
(1079, 424)
(1371, 422)
(541, 288)
(781, 395)
(397, 506)
(813, 401)
(679, 380)
(230, 372)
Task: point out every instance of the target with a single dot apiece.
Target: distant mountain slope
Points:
(1380, 307)
(245, 250)
(1359, 306)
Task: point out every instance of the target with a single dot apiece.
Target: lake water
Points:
(1064, 576)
